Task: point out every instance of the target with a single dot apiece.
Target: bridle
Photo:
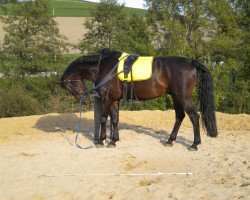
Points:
(73, 89)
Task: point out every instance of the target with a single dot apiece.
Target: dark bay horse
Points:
(170, 75)
(86, 68)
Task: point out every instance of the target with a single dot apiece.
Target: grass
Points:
(71, 8)
(78, 8)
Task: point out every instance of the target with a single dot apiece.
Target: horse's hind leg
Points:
(179, 116)
(194, 117)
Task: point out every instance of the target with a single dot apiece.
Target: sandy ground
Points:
(71, 27)
(39, 159)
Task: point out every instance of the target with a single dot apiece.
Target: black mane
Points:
(87, 59)
(92, 59)
(103, 54)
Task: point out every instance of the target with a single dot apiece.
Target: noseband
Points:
(73, 88)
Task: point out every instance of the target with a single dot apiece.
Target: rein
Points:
(109, 77)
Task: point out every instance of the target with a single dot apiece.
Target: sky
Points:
(128, 3)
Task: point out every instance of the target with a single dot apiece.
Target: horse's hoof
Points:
(99, 144)
(168, 144)
(111, 145)
(192, 148)
(95, 141)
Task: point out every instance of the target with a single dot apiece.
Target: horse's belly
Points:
(145, 91)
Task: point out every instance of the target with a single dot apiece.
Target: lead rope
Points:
(78, 126)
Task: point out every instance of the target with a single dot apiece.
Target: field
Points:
(71, 27)
(70, 16)
(39, 159)
(71, 8)
(78, 8)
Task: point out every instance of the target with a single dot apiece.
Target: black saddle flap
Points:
(128, 64)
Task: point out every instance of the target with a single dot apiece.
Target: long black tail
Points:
(206, 98)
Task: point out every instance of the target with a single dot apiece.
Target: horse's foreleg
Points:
(105, 111)
(114, 121)
(179, 116)
(97, 117)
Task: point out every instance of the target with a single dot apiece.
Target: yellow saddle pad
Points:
(141, 69)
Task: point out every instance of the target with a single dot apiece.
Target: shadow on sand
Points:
(68, 122)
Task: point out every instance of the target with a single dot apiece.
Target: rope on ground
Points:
(124, 174)
(78, 126)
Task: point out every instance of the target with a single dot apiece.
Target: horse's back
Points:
(179, 72)
(175, 63)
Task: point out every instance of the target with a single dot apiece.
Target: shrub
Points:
(16, 102)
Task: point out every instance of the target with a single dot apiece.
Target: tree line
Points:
(215, 32)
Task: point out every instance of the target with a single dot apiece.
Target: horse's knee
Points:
(115, 120)
(104, 119)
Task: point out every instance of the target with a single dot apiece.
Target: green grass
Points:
(78, 8)
(74, 8)
(71, 8)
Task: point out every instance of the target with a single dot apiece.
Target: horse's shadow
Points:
(69, 122)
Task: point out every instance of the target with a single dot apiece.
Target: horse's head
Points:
(84, 68)
(72, 81)
(75, 87)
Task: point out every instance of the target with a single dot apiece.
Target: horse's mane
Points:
(92, 59)
(106, 53)
(87, 59)
(103, 54)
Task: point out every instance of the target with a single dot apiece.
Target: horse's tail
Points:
(206, 98)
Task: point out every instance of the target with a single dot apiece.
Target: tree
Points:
(111, 28)
(230, 46)
(107, 24)
(32, 40)
(213, 31)
(138, 39)
(178, 26)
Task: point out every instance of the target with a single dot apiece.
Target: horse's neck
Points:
(90, 72)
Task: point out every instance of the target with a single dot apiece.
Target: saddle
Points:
(132, 68)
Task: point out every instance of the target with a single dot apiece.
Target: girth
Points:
(128, 68)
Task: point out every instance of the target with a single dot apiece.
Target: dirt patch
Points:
(148, 182)
(39, 159)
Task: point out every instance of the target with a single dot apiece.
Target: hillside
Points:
(70, 16)
(78, 8)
